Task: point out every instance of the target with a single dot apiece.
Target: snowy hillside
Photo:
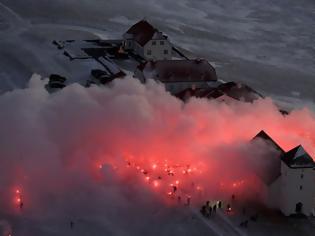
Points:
(258, 43)
(76, 162)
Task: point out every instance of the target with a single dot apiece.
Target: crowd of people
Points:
(209, 209)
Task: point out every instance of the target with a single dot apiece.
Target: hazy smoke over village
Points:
(80, 152)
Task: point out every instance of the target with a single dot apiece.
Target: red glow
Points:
(156, 183)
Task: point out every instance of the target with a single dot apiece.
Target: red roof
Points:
(142, 32)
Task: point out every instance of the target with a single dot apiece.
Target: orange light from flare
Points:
(147, 178)
(100, 166)
(18, 200)
(156, 183)
(18, 191)
(154, 166)
(177, 182)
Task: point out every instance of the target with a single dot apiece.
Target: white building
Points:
(290, 185)
(147, 42)
(178, 75)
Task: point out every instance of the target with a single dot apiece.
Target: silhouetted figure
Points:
(210, 210)
(188, 201)
(219, 204)
(21, 205)
(174, 189)
(214, 208)
(203, 210)
(244, 224)
(71, 224)
(179, 199)
(233, 197)
(207, 203)
(254, 218)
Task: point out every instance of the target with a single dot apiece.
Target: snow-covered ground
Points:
(266, 44)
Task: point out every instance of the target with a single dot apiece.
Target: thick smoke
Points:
(84, 154)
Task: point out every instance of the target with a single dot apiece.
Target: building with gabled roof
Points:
(264, 136)
(227, 92)
(271, 158)
(298, 158)
(290, 181)
(178, 75)
(146, 41)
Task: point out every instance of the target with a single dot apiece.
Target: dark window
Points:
(161, 42)
(129, 43)
(149, 52)
(302, 176)
(165, 51)
(301, 187)
(153, 42)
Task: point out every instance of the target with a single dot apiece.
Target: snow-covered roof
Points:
(142, 32)
(170, 71)
(298, 158)
(237, 91)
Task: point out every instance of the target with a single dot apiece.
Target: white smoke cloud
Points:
(67, 154)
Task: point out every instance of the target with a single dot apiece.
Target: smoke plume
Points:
(126, 152)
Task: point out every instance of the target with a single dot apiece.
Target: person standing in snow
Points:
(188, 201)
(71, 224)
(210, 210)
(203, 210)
(21, 205)
(179, 199)
(174, 189)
